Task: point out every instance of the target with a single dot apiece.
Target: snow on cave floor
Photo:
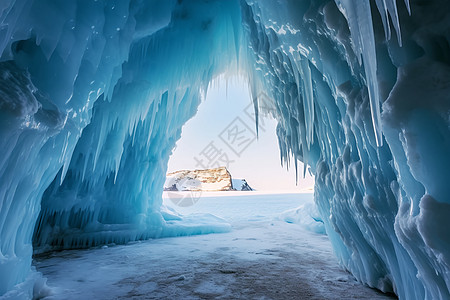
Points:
(261, 258)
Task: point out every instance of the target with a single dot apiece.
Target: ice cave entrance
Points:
(223, 134)
(255, 227)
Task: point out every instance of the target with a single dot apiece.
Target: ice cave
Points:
(93, 95)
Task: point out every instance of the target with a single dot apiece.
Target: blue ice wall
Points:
(54, 66)
(360, 96)
(93, 95)
(113, 187)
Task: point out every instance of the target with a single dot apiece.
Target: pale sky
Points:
(222, 133)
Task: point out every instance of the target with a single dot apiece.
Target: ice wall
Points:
(54, 66)
(361, 94)
(131, 70)
(113, 187)
(93, 95)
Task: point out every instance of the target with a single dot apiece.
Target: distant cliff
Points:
(218, 179)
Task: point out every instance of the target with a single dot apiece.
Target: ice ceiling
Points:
(93, 95)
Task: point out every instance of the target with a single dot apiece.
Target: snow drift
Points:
(93, 95)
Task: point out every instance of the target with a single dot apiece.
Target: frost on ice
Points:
(93, 95)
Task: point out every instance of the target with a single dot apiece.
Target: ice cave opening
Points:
(220, 159)
(223, 134)
(93, 96)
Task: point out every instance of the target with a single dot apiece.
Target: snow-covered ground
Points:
(263, 257)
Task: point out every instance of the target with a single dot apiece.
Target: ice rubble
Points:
(305, 215)
(95, 93)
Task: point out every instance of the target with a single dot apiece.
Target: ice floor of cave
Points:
(262, 257)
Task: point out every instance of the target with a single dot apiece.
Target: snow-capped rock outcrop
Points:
(217, 179)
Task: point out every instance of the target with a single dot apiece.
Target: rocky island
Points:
(217, 179)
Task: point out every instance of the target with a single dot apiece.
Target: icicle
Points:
(296, 171)
(358, 15)
(392, 9)
(255, 106)
(350, 12)
(86, 158)
(67, 158)
(381, 5)
(305, 80)
(408, 6)
(388, 9)
(308, 101)
(100, 143)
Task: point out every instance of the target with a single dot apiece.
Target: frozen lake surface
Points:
(262, 257)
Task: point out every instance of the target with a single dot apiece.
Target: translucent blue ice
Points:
(93, 95)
